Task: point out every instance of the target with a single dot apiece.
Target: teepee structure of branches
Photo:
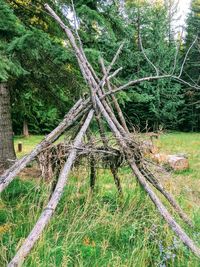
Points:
(97, 107)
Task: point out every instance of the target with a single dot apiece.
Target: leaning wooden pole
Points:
(151, 179)
(122, 137)
(147, 174)
(54, 200)
(114, 99)
(70, 118)
(161, 208)
(163, 211)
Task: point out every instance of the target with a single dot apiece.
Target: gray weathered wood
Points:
(54, 200)
(19, 165)
(115, 102)
(121, 135)
(161, 208)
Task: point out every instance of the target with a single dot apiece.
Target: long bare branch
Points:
(122, 137)
(148, 79)
(190, 85)
(186, 56)
(146, 57)
(164, 212)
(54, 200)
(114, 74)
(134, 82)
(19, 165)
(80, 42)
(115, 102)
(111, 64)
(150, 178)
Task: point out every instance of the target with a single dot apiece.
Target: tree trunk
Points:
(25, 129)
(7, 152)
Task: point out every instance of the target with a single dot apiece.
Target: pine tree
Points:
(9, 29)
(38, 74)
(155, 103)
(191, 111)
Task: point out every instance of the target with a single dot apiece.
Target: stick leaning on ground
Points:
(54, 200)
(121, 135)
(72, 116)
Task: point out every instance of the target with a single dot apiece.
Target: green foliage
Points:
(41, 71)
(191, 110)
(10, 28)
(152, 103)
(16, 191)
(43, 76)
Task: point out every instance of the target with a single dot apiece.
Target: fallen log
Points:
(174, 162)
(177, 162)
(53, 202)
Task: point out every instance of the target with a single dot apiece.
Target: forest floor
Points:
(103, 229)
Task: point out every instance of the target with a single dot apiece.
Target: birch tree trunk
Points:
(7, 152)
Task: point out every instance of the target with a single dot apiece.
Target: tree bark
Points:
(7, 152)
(25, 128)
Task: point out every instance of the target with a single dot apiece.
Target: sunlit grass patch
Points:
(103, 229)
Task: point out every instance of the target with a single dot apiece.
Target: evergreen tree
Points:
(155, 103)
(38, 73)
(50, 73)
(9, 29)
(191, 111)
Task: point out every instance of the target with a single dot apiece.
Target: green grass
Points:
(27, 143)
(103, 229)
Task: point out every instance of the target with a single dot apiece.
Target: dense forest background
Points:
(40, 70)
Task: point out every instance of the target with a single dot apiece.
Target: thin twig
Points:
(186, 55)
(150, 62)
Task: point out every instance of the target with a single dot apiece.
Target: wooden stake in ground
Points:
(54, 200)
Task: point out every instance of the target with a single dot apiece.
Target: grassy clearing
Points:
(27, 143)
(103, 230)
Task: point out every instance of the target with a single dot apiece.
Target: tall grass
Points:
(97, 229)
